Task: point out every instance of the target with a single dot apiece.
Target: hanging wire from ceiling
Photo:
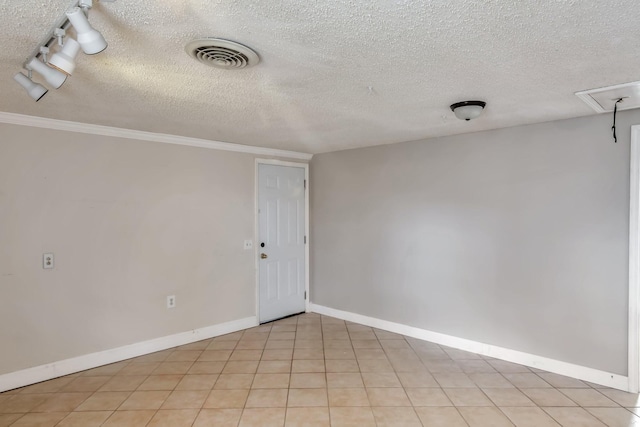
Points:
(615, 113)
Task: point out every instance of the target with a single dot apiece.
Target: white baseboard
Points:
(551, 365)
(88, 361)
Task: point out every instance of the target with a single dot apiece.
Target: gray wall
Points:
(130, 223)
(515, 237)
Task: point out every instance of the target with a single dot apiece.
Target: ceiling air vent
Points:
(222, 53)
(603, 99)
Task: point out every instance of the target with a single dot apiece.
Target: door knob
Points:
(263, 256)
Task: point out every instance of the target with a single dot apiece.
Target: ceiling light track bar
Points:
(51, 37)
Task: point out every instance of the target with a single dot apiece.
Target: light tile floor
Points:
(312, 370)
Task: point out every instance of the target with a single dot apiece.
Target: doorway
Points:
(282, 243)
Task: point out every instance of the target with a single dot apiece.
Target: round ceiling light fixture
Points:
(467, 110)
(221, 53)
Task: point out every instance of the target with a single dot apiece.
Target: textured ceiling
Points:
(334, 74)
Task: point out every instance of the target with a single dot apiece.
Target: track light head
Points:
(35, 90)
(54, 77)
(65, 59)
(89, 39)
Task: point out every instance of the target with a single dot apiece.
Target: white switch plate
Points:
(248, 244)
(171, 301)
(47, 261)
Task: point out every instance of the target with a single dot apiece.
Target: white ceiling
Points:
(310, 92)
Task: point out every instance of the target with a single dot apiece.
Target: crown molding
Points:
(42, 122)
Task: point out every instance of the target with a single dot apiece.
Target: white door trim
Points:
(256, 247)
(634, 262)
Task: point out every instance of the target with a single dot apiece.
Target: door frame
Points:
(256, 246)
(634, 262)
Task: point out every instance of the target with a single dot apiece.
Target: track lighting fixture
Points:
(54, 77)
(62, 63)
(90, 40)
(35, 90)
(65, 59)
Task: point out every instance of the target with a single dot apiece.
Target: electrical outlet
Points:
(171, 301)
(47, 261)
(248, 244)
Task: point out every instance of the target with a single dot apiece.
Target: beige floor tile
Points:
(529, 417)
(85, 419)
(279, 344)
(199, 368)
(104, 401)
(62, 402)
(339, 353)
(17, 403)
(508, 397)
(440, 417)
(218, 418)
(587, 397)
(172, 368)
(341, 344)
(340, 366)
(312, 380)
(197, 382)
(8, 419)
(278, 354)
(309, 344)
(226, 399)
(364, 335)
(408, 365)
(251, 344)
(262, 417)
(357, 344)
(274, 367)
(396, 417)
(547, 397)
(489, 380)
(395, 344)
(454, 380)
(375, 365)
(344, 380)
(185, 399)
(215, 356)
(161, 382)
(307, 366)
(50, 386)
(417, 379)
(123, 383)
(184, 356)
(241, 367)
(245, 355)
(129, 418)
(233, 381)
(527, 380)
(81, 384)
(174, 418)
(442, 366)
(308, 353)
(484, 417)
(428, 397)
(222, 345)
(628, 400)
(140, 400)
(508, 367)
(380, 379)
(307, 397)
(615, 417)
(273, 380)
(388, 396)
(307, 417)
(158, 356)
(475, 367)
(561, 381)
(198, 345)
(467, 397)
(348, 397)
(352, 417)
(267, 398)
(32, 419)
(283, 328)
(139, 368)
(370, 354)
(570, 417)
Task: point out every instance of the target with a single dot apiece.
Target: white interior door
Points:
(281, 241)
